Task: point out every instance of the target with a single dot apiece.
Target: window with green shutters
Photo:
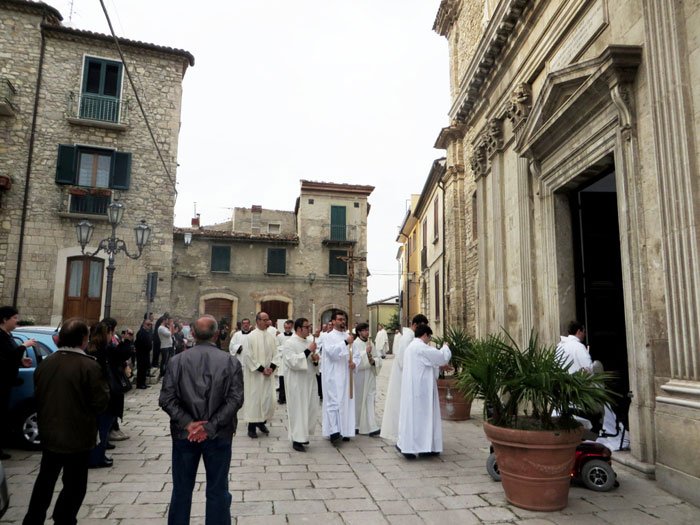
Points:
(338, 224)
(335, 265)
(93, 167)
(277, 260)
(220, 258)
(101, 90)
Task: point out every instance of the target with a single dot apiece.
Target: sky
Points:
(346, 91)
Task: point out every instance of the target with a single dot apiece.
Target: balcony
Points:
(7, 98)
(78, 201)
(339, 234)
(86, 109)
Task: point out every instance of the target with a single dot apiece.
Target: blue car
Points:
(23, 418)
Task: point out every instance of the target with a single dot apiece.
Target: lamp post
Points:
(112, 244)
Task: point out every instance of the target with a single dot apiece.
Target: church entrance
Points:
(598, 274)
(276, 310)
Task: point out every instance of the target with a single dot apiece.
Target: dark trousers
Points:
(165, 355)
(75, 475)
(217, 461)
(282, 394)
(156, 356)
(320, 386)
(142, 367)
(104, 425)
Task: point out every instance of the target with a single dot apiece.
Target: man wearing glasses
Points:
(301, 362)
(143, 343)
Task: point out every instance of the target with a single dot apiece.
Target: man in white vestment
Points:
(397, 342)
(572, 349)
(281, 338)
(337, 367)
(300, 359)
(239, 340)
(366, 382)
(390, 419)
(259, 363)
(420, 427)
(381, 341)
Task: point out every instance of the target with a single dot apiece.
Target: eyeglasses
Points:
(306, 326)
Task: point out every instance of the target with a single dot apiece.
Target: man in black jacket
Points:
(202, 392)
(70, 393)
(143, 343)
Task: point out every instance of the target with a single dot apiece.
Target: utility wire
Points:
(138, 99)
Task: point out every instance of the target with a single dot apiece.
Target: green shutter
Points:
(65, 166)
(220, 258)
(120, 177)
(335, 265)
(276, 260)
(338, 223)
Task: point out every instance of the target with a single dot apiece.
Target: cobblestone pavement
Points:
(363, 481)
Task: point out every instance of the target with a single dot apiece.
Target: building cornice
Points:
(228, 236)
(332, 187)
(447, 13)
(437, 170)
(499, 31)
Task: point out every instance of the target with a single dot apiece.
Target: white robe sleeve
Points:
(294, 360)
(436, 358)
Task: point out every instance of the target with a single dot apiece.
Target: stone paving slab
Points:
(363, 481)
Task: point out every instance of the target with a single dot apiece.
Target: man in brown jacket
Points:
(70, 392)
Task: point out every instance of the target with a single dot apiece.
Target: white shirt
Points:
(573, 351)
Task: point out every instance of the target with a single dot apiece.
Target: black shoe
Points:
(298, 447)
(263, 428)
(104, 464)
(375, 433)
(281, 402)
(346, 439)
(142, 387)
(335, 437)
(407, 456)
(4, 456)
(428, 454)
(251, 431)
(109, 446)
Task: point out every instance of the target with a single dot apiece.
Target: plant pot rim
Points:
(516, 435)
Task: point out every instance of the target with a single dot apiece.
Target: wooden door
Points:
(219, 308)
(276, 310)
(83, 293)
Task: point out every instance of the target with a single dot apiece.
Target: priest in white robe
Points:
(259, 364)
(390, 418)
(381, 341)
(281, 338)
(239, 340)
(337, 367)
(366, 382)
(420, 426)
(300, 359)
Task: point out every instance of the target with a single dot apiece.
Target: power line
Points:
(138, 99)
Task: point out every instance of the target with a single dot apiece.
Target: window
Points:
(93, 167)
(338, 223)
(336, 266)
(436, 218)
(101, 90)
(220, 258)
(276, 260)
(274, 227)
(474, 220)
(437, 296)
(425, 234)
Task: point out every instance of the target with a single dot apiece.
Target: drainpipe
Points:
(29, 165)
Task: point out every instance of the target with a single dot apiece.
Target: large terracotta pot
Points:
(535, 465)
(456, 409)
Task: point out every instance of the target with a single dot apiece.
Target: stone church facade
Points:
(282, 262)
(572, 151)
(72, 140)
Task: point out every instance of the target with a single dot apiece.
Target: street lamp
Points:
(188, 239)
(112, 244)
(312, 278)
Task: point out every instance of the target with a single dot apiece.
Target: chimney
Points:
(195, 221)
(255, 213)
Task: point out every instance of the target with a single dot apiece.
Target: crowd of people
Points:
(331, 373)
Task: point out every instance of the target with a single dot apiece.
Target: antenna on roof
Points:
(70, 15)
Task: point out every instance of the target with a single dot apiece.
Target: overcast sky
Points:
(349, 91)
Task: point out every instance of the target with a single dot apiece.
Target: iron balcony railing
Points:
(92, 204)
(339, 234)
(97, 107)
(7, 97)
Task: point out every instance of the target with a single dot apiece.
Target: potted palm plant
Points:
(529, 403)
(454, 405)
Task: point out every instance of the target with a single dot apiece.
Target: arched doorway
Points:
(276, 310)
(83, 289)
(221, 309)
(326, 316)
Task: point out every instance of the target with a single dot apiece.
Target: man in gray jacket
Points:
(202, 392)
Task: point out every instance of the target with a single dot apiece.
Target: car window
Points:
(41, 351)
(20, 342)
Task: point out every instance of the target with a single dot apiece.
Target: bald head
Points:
(205, 329)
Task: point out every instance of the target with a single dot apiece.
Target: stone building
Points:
(573, 144)
(72, 140)
(381, 313)
(282, 262)
(409, 263)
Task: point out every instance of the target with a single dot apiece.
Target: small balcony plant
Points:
(530, 399)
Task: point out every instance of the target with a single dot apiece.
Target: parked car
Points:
(4, 494)
(23, 419)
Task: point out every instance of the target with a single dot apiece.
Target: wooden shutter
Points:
(437, 296)
(338, 223)
(121, 171)
(220, 258)
(276, 260)
(65, 165)
(436, 216)
(336, 266)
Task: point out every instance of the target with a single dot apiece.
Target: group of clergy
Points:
(348, 365)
